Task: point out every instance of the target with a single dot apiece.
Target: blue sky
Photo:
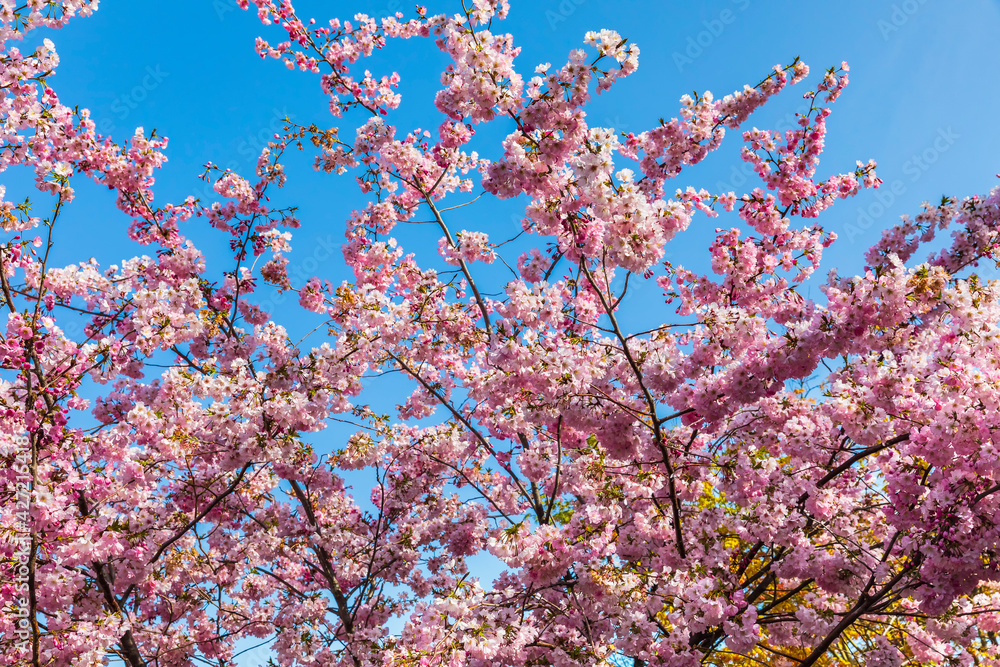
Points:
(922, 102)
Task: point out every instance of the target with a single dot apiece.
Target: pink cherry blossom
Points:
(768, 476)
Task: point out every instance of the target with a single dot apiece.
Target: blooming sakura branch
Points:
(755, 473)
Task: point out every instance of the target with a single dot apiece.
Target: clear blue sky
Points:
(922, 101)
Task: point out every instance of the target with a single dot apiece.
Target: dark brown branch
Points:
(461, 262)
(864, 604)
(130, 649)
(874, 449)
(201, 515)
(343, 606)
(651, 404)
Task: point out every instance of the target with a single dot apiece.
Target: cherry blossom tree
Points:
(668, 496)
